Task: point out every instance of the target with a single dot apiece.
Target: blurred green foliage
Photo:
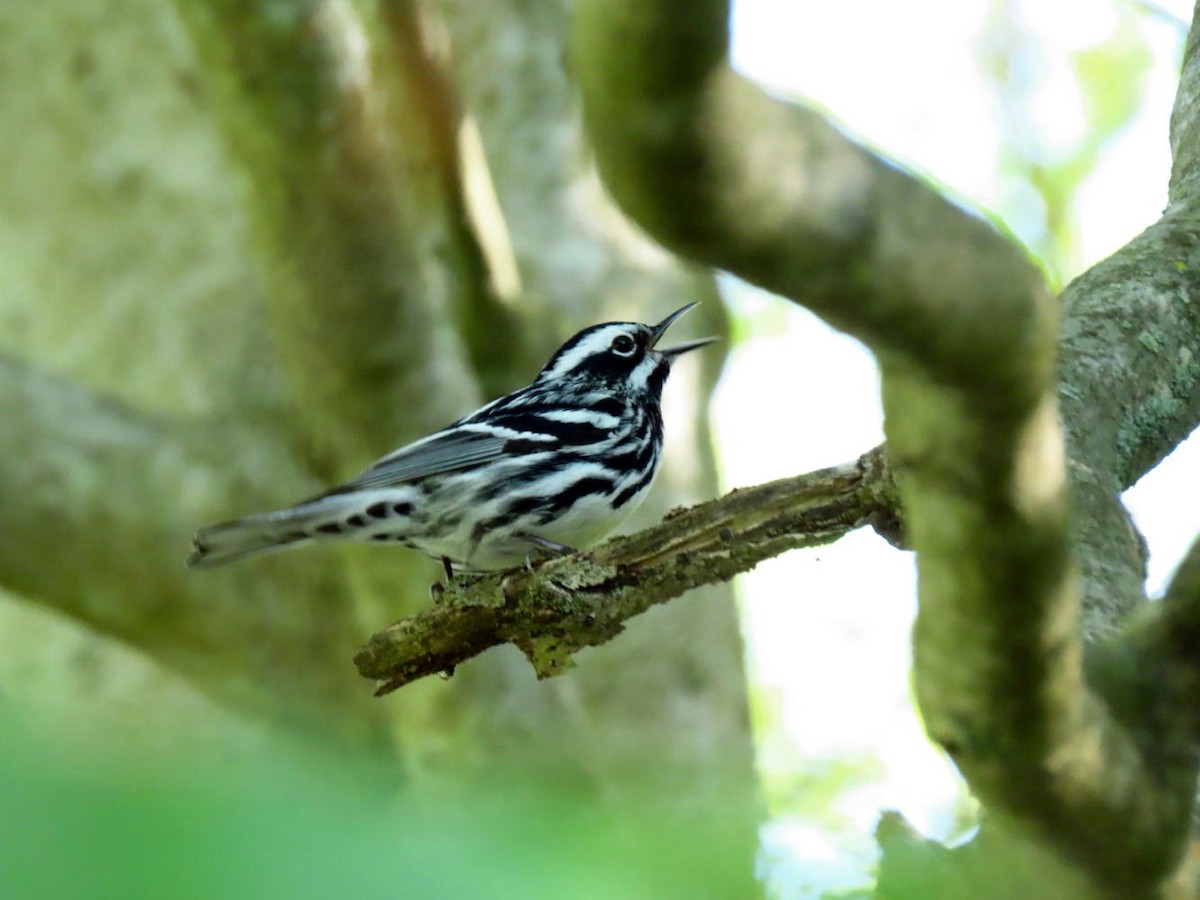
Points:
(1047, 171)
(281, 828)
(1112, 80)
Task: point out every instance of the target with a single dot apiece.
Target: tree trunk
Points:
(256, 245)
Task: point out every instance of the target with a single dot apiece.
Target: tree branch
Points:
(350, 215)
(724, 174)
(564, 231)
(425, 95)
(965, 332)
(99, 505)
(566, 258)
(1129, 391)
(1129, 370)
(579, 601)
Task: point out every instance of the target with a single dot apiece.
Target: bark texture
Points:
(302, 232)
(559, 607)
(966, 336)
(253, 246)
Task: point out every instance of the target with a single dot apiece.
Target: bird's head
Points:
(623, 354)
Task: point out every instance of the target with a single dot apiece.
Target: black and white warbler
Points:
(556, 465)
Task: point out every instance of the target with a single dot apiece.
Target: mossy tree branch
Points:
(965, 333)
(1130, 368)
(561, 606)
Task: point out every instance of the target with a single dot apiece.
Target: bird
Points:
(550, 468)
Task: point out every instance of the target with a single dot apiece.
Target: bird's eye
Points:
(623, 345)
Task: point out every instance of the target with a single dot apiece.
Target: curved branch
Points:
(579, 601)
(1129, 393)
(1129, 369)
(99, 506)
(965, 333)
(723, 173)
(1164, 641)
(350, 215)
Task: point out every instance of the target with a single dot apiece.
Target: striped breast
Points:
(588, 465)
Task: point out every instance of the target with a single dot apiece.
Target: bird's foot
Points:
(554, 548)
(437, 588)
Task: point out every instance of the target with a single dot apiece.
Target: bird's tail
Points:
(226, 542)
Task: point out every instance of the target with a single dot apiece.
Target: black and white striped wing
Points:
(490, 434)
(439, 454)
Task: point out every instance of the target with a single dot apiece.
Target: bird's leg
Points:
(554, 547)
(437, 588)
(546, 543)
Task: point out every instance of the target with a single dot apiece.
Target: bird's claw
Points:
(552, 548)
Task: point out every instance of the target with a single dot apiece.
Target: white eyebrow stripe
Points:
(594, 343)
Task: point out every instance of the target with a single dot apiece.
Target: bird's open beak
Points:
(661, 328)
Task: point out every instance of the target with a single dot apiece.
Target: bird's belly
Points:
(503, 546)
(587, 522)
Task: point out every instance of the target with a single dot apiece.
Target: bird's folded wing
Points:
(438, 454)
